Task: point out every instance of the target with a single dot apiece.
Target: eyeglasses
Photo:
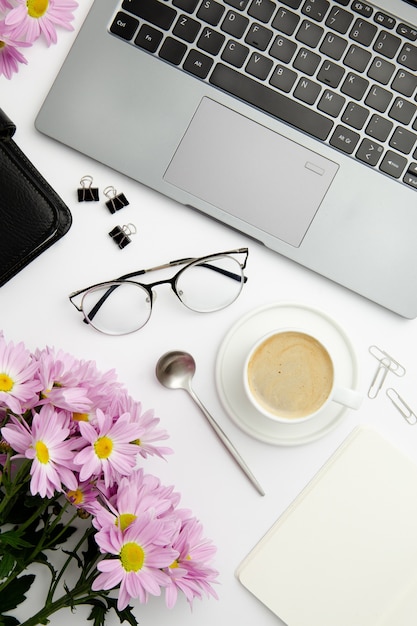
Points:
(123, 306)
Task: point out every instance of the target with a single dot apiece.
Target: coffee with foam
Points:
(290, 374)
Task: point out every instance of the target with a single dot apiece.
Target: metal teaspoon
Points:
(175, 370)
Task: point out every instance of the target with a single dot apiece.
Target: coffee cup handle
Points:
(348, 397)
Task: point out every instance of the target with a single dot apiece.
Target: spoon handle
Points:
(226, 441)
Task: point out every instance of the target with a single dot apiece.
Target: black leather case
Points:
(32, 215)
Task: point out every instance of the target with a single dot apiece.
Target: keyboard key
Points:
(405, 83)
(157, 13)
(294, 4)
(283, 49)
(344, 139)
(283, 78)
(387, 44)
(355, 115)
(384, 20)
(186, 5)
(211, 12)
(186, 28)
(339, 20)
(363, 32)
(173, 50)
(393, 164)
(259, 66)
(354, 86)
(369, 152)
(403, 140)
(381, 70)
(272, 102)
(402, 111)
(285, 21)
(362, 8)
(258, 36)
(330, 74)
(316, 9)
(211, 41)
(408, 56)
(333, 46)
(148, 38)
(378, 98)
(235, 53)
(379, 128)
(124, 26)
(235, 24)
(409, 32)
(410, 179)
(309, 34)
(307, 90)
(198, 64)
(306, 61)
(237, 4)
(331, 103)
(262, 10)
(357, 58)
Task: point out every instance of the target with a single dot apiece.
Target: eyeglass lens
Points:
(122, 307)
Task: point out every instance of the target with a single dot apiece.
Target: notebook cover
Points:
(32, 215)
(345, 552)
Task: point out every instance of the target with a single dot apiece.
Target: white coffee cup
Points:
(289, 376)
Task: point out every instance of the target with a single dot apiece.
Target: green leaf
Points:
(14, 594)
(7, 563)
(12, 539)
(98, 613)
(125, 615)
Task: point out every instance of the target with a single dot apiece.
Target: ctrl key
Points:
(124, 26)
(393, 164)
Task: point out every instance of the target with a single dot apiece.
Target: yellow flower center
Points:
(37, 8)
(75, 496)
(42, 452)
(80, 417)
(2, 44)
(6, 383)
(132, 557)
(174, 565)
(125, 519)
(103, 447)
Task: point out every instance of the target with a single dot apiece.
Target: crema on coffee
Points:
(290, 374)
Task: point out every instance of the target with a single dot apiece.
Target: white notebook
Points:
(345, 552)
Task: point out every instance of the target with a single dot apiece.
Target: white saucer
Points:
(231, 357)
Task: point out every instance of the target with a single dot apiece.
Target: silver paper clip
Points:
(407, 413)
(386, 364)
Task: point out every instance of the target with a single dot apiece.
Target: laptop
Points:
(294, 122)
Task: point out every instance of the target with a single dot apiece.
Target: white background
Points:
(34, 308)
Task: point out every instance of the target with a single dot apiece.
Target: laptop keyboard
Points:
(343, 72)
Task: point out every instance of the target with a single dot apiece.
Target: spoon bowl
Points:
(175, 370)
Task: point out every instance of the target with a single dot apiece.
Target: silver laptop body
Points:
(348, 213)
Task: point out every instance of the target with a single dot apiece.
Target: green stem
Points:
(75, 598)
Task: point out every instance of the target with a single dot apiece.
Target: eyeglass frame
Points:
(148, 287)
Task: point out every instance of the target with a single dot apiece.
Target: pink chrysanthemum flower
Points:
(149, 430)
(137, 495)
(32, 18)
(84, 496)
(19, 382)
(5, 5)
(140, 554)
(110, 450)
(190, 572)
(47, 445)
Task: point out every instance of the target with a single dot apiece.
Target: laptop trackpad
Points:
(250, 172)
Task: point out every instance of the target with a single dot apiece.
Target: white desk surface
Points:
(35, 309)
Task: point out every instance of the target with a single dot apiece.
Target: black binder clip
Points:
(121, 234)
(87, 193)
(115, 201)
